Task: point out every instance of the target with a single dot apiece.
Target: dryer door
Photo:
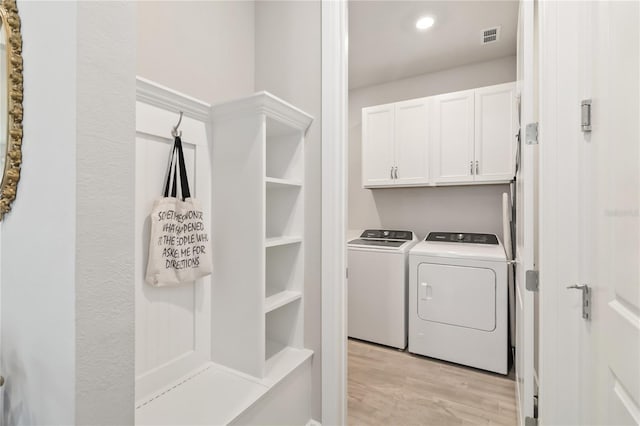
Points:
(463, 296)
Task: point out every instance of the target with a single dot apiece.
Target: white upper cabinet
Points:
(459, 138)
(495, 129)
(395, 144)
(377, 146)
(411, 142)
(453, 137)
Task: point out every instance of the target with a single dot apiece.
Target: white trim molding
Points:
(263, 103)
(334, 211)
(154, 94)
(550, 402)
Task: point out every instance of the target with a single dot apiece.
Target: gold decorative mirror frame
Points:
(13, 160)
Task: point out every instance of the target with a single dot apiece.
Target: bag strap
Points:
(171, 175)
(177, 164)
(184, 182)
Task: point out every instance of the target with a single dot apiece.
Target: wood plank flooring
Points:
(393, 388)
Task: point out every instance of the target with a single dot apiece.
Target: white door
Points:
(453, 137)
(590, 225)
(525, 218)
(610, 262)
(412, 142)
(495, 123)
(377, 145)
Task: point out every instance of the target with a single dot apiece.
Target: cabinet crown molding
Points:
(263, 103)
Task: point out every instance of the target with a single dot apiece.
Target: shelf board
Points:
(280, 299)
(284, 360)
(274, 183)
(281, 241)
(213, 396)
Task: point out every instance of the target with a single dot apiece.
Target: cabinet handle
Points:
(396, 172)
(391, 173)
(477, 168)
(470, 167)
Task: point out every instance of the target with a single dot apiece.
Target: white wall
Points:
(288, 64)
(38, 235)
(422, 210)
(67, 300)
(202, 49)
(67, 317)
(106, 96)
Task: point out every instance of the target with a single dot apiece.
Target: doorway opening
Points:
(432, 114)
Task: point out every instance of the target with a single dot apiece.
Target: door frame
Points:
(526, 215)
(551, 338)
(334, 210)
(548, 403)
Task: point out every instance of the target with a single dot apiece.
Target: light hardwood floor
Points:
(394, 388)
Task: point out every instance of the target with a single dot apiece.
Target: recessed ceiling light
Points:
(425, 22)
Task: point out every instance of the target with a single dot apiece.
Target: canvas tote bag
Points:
(179, 246)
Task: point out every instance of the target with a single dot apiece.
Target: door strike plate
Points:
(586, 303)
(585, 109)
(586, 299)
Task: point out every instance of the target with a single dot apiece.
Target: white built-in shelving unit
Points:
(227, 349)
(258, 212)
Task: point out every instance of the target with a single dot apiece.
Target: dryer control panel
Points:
(458, 237)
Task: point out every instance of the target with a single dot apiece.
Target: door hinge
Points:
(531, 280)
(531, 134)
(585, 109)
(533, 421)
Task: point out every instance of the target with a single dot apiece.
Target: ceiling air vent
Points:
(490, 35)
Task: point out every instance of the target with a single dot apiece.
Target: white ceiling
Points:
(384, 44)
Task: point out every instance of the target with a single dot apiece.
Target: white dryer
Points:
(458, 300)
(378, 264)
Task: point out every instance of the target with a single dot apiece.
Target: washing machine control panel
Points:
(457, 237)
(384, 234)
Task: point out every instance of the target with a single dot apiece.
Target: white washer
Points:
(458, 300)
(378, 280)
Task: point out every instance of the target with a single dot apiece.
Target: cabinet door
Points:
(377, 145)
(495, 133)
(412, 142)
(453, 137)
